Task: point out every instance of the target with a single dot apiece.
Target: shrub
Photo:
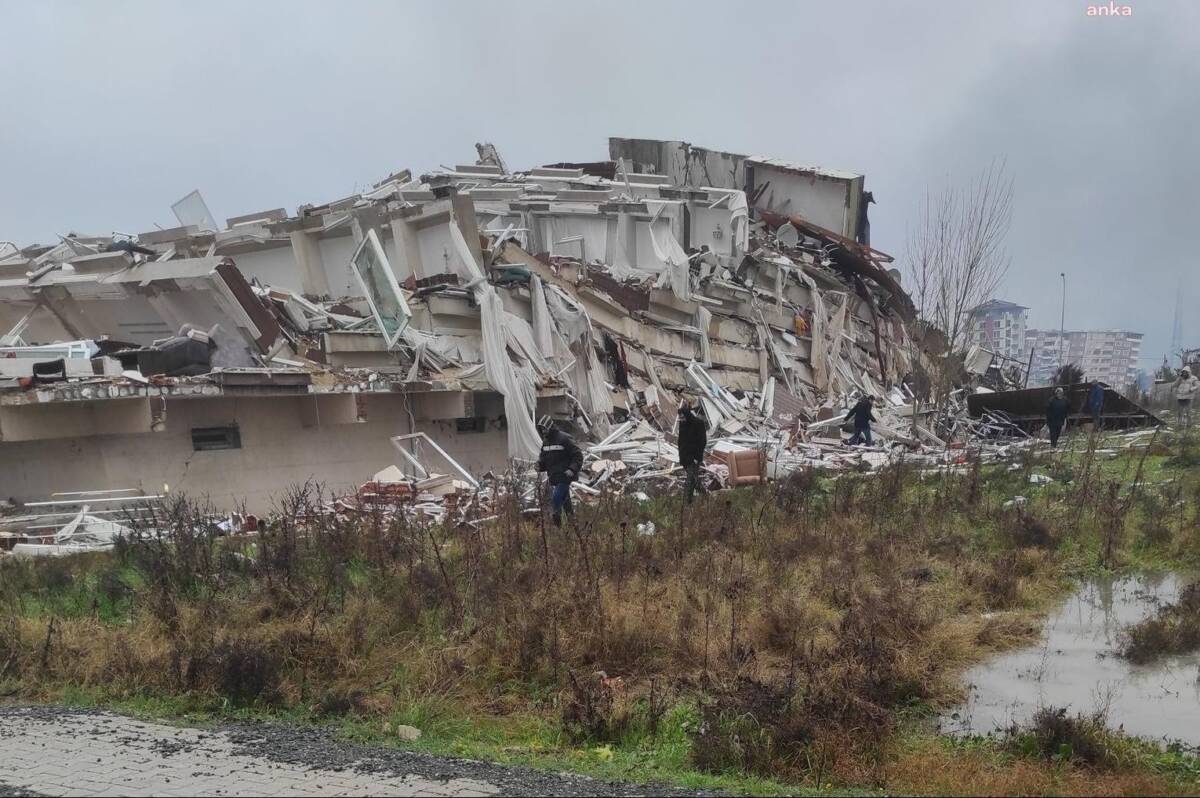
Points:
(1054, 735)
(1186, 453)
(1156, 532)
(1173, 629)
(242, 670)
(595, 708)
(738, 727)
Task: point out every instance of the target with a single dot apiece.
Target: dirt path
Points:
(60, 751)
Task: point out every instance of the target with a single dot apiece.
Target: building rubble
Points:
(638, 459)
(69, 523)
(453, 309)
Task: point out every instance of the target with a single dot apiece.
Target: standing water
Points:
(1076, 666)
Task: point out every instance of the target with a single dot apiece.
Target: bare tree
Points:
(957, 258)
(956, 252)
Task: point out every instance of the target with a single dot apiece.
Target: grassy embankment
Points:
(800, 636)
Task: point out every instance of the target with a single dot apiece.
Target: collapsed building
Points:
(234, 361)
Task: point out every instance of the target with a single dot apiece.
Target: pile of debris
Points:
(470, 301)
(748, 445)
(69, 523)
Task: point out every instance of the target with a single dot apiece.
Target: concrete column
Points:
(463, 213)
(66, 310)
(406, 252)
(307, 250)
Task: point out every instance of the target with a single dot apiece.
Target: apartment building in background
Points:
(1110, 356)
(999, 327)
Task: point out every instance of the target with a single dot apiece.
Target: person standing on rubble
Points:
(693, 439)
(1057, 411)
(1186, 386)
(861, 413)
(1095, 403)
(562, 460)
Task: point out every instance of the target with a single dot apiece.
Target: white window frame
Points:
(372, 240)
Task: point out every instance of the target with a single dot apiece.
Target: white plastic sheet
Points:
(568, 314)
(703, 319)
(836, 327)
(817, 356)
(520, 338)
(542, 330)
(586, 377)
(739, 222)
(513, 380)
(674, 269)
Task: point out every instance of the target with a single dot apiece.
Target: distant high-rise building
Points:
(1110, 356)
(999, 327)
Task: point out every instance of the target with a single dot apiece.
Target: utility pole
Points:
(1062, 326)
(1177, 326)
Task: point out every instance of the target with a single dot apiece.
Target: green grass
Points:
(529, 741)
(532, 736)
(537, 743)
(450, 730)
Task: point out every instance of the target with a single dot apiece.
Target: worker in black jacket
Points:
(562, 460)
(129, 247)
(1057, 411)
(693, 438)
(861, 413)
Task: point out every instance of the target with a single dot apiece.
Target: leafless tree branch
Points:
(956, 252)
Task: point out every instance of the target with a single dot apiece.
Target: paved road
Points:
(59, 751)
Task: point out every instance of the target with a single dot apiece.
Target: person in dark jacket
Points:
(1056, 414)
(693, 438)
(861, 413)
(129, 247)
(562, 460)
(1095, 403)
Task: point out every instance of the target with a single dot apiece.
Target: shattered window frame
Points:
(378, 282)
(216, 439)
(470, 425)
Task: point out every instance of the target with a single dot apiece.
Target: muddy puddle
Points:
(1075, 665)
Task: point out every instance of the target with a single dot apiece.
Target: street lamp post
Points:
(1062, 326)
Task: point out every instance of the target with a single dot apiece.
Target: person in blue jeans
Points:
(861, 413)
(562, 460)
(1095, 403)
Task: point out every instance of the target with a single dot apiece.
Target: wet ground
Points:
(1075, 665)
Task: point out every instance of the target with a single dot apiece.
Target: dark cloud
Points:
(114, 110)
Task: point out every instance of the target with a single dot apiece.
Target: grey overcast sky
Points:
(113, 110)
